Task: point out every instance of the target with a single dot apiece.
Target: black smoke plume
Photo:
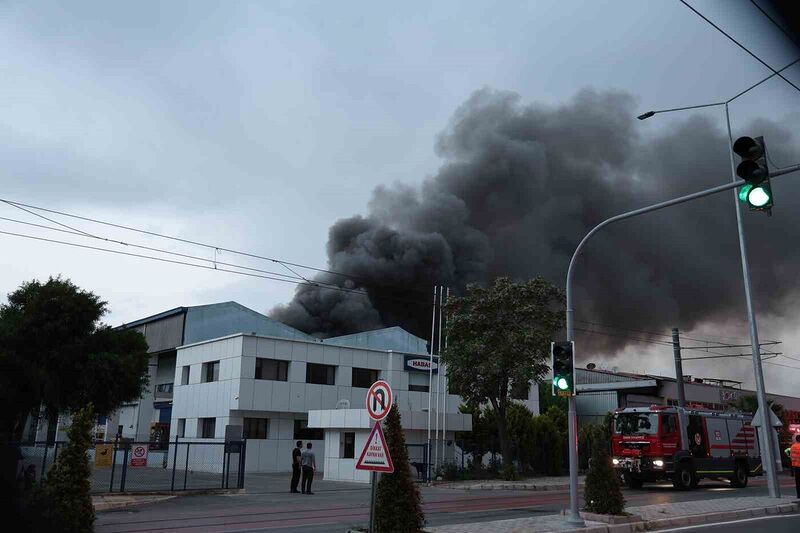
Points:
(519, 187)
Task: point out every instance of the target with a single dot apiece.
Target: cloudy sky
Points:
(255, 126)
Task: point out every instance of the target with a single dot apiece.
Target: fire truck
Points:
(659, 443)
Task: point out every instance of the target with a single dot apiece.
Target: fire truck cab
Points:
(683, 445)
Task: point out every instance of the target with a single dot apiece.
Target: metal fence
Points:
(129, 466)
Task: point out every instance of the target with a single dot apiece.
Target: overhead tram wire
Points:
(204, 267)
(740, 45)
(669, 335)
(716, 356)
(198, 243)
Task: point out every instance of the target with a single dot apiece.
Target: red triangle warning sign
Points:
(375, 455)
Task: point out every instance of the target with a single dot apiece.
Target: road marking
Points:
(711, 524)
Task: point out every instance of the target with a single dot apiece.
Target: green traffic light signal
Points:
(753, 168)
(563, 368)
(756, 196)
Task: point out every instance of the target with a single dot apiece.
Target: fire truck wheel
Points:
(631, 481)
(739, 478)
(695, 481)
(682, 478)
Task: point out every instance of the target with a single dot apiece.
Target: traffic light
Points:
(563, 354)
(753, 168)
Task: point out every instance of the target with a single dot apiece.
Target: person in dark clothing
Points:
(309, 464)
(296, 466)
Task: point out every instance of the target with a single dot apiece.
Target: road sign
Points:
(774, 421)
(139, 455)
(103, 454)
(375, 455)
(379, 400)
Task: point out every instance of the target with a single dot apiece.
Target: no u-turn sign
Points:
(379, 400)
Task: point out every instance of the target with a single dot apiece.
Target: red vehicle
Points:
(683, 445)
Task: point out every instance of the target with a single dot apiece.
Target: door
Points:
(697, 437)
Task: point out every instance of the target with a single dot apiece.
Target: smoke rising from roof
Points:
(521, 184)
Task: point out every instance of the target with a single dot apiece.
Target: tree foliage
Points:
(603, 493)
(64, 503)
(499, 340)
(397, 500)
(55, 352)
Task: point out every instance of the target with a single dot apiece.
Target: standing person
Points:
(296, 452)
(309, 464)
(794, 453)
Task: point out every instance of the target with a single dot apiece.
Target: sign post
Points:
(375, 455)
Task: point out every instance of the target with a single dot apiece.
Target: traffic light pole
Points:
(767, 458)
(574, 516)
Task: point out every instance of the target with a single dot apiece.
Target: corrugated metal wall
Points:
(164, 334)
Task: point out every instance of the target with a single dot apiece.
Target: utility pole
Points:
(676, 350)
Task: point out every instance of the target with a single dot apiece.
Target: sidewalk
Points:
(645, 518)
(118, 501)
(534, 483)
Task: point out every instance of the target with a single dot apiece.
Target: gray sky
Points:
(256, 125)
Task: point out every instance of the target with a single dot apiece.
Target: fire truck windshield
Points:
(636, 423)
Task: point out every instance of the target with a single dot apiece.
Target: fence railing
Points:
(127, 466)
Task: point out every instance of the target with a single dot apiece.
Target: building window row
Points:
(303, 432)
(278, 370)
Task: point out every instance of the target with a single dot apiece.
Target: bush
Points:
(397, 500)
(63, 504)
(603, 493)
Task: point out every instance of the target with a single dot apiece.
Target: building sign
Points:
(103, 454)
(728, 395)
(139, 455)
(421, 363)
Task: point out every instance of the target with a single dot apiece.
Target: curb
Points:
(106, 506)
(505, 486)
(692, 520)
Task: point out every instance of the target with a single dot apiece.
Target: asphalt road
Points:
(335, 507)
(775, 524)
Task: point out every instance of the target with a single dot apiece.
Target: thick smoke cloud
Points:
(522, 184)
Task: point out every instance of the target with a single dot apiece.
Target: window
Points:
(364, 377)
(211, 371)
(255, 428)
(207, 427)
(164, 387)
(185, 375)
(636, 423)
(670, 424)
(119, 431)
(303, 432)
(181, 427)
(320, 374)
(418, 381)
(272, 369)
(349, 446)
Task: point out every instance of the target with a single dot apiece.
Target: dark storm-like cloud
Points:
(521, 184)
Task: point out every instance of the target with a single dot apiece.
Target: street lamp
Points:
(758, 197)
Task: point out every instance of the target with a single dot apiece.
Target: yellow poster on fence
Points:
(103, 455)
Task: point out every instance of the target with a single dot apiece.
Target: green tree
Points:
(602, 492)
(55, 352)
(500, 340)
(64, 504)
(397, 500)
(547, 454)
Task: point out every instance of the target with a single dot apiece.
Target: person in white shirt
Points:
(309, 463)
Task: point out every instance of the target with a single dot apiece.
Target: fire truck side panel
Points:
(718, 439)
